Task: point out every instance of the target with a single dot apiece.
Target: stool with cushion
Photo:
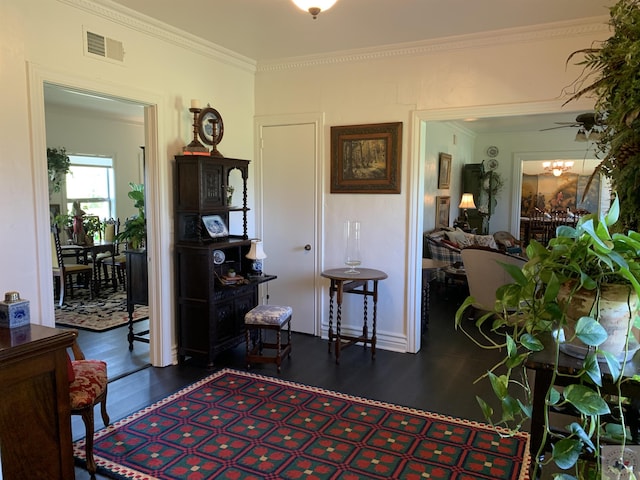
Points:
(267, 317)
(87, 388)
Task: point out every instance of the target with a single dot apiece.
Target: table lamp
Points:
(465, 203)
(256, 255)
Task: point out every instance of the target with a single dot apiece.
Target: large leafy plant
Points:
(611, 75)
(58, 165)
(529, 312)
(135, 227)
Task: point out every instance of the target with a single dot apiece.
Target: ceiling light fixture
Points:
(557, 168)
(595, 135)
(314, 7)
(581, 136)
(585, 135)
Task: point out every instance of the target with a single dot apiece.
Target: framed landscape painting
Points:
(366, 158)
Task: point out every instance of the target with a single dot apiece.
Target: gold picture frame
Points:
(444, 170)
(443, 209)
(366, 158)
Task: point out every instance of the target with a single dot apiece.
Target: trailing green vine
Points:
(58, 165)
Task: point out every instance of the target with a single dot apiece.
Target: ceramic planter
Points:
(617, 307)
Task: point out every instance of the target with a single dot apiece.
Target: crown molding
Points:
(129, 18)
(589, 26)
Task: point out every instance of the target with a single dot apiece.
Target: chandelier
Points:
(557, 167)
(314, 7)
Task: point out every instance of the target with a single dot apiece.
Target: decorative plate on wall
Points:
(492, 151)
(492, 164)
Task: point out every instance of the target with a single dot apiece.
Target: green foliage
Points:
(58, 165)
(531, 311)
(611, 75)
(63, 221)
(135, 227)
(91, 225)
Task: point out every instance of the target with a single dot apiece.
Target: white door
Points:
(289, 219)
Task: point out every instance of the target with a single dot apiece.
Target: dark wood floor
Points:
(439, 378)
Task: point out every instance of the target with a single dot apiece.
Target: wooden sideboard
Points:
(35, 416)
(137, 291)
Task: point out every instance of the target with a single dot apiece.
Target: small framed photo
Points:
(215, 226)
(443, 207)
(366, 158)
(444, 170)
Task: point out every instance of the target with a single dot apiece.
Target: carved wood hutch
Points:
(210, 313)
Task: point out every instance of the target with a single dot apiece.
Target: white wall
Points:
(447, 138)
(357, 88)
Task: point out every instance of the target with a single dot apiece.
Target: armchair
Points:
(507, 243)
(485, 274)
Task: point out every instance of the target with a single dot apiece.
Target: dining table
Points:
(543, 227)
(87, 253)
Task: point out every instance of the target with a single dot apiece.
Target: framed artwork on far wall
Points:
(443, 207)
(444, 170)
(366, 158)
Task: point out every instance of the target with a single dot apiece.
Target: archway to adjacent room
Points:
(160, 347)
(422, 206)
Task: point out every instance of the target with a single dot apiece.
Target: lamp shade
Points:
(256, 252)
(314, 7)
(581, 136)
(467, 201)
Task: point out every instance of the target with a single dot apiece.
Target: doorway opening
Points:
(102, 136)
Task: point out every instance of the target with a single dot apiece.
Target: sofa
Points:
(445, 244)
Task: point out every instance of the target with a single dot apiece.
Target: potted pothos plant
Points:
(610, 75)
(134, 232)
(557, 296)
(58, 165)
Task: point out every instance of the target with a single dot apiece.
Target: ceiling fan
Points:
(588, 125)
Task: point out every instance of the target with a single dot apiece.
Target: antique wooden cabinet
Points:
(35, 414)
(211, 240)
(137, 290)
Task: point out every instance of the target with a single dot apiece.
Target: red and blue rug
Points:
(238, 425)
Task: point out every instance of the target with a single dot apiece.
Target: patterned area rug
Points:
(239, 425)
(100, 314)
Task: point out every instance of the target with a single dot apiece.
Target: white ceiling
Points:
(277, 29)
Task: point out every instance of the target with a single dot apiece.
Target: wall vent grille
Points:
(104, 47)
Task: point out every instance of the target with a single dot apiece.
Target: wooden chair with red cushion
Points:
(87, 388)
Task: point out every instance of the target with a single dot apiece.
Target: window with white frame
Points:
(91, 182)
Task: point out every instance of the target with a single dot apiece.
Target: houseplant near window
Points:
(134, 232)
(610, 75)
(538, 305)
(58, 165)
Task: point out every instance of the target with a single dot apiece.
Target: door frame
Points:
(317, 119)
(420, 124)
(159, 257)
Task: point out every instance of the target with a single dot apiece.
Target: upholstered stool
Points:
(267, 317)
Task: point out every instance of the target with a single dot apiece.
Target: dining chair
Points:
(87, 388)
(63, 272)
(116, 262)
(111, 228)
